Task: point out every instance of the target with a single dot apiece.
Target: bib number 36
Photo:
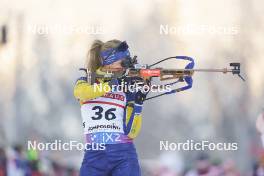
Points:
(99, 111)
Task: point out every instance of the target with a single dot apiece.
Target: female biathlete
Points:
(110, 117)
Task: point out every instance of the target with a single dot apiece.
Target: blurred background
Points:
(43, 43)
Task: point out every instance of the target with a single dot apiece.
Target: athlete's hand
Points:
(140, 97)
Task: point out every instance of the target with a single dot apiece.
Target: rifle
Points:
(146, 72)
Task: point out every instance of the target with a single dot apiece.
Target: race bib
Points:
(104, 114)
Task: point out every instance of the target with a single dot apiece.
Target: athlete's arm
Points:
(133, 120)
(84, 91)
(134, 114)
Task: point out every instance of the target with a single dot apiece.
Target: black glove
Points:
(140, 97)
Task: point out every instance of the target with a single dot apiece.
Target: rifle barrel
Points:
(224, 70)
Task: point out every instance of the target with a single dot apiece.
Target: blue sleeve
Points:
(137, 109)
(130, 96)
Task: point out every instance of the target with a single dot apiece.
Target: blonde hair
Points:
(93, 59)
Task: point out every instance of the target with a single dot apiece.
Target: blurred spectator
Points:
(170, 164)
(258, 169)
(33, 163)
(204, 167)
(3, 162)
(57, 169)
(17, 164)
(229, 168)
(71, 172)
